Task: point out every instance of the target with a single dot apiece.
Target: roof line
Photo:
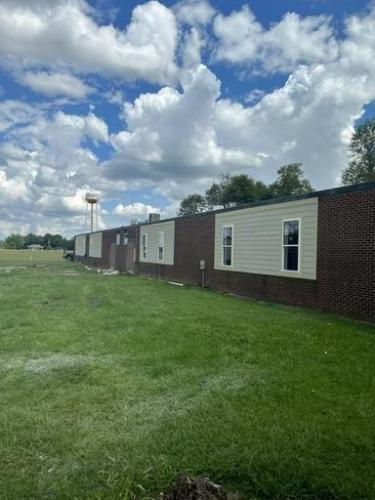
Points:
(364, 186)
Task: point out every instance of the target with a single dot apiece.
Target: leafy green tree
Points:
(241, 189)
(46, 240)
(56, 241)
(14, 242)
(362, 151)
(237, 189)
(32, 239)
(214, 195)
(17, 241)
(290, 181)
(192, 204)
(68, 244)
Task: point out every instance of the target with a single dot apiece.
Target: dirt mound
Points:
(187, 488)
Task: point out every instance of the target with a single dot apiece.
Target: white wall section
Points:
(153, 239)
(257, 238)
(95, 245)
(80, 245)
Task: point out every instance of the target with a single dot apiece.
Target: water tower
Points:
(92, 207)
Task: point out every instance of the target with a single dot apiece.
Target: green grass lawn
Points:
(28, 258)
(111, 386)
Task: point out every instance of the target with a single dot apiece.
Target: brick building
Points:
(315, 250)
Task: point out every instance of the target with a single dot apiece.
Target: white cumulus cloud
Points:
(59, 34)
(178, 137)
(11, 189)
(194, 12)
(96, 128)
(55, 84)
(292, 41)
(134, 209)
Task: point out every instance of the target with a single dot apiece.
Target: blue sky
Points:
(146, 102)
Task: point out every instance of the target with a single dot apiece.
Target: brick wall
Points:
(345, 281)
(346, 254)
(293, 291)
(194, 240)
(194, 237)
(109, 237)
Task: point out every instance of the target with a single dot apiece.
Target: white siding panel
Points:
(153, 238)
(257, 244)
(80, 245)
(95, 245)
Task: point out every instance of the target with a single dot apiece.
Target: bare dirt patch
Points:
(187, 488)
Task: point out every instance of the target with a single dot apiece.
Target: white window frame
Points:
(298, 270)
(161, 244)
(226, 226)
(144, 246)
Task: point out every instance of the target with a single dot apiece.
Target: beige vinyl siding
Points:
(80, 245)
(257, 238)
(95, 245)
(153, 237)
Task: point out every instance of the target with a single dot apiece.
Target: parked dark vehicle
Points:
(68, 255)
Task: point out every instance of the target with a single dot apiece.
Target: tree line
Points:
(48, 241)
(240, 189)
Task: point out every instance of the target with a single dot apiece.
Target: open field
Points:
(28, 258)
(110, 386)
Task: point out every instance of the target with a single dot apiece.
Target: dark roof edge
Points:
(118, 228)
(364, 186)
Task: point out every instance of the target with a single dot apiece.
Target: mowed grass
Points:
(112, 385)
(28, 258)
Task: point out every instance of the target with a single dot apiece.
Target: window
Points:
(144, 246)
(227, 245)
(291, 245)
(118, 236)
(161, 246)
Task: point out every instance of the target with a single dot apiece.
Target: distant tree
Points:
(17, 241)
(46, 240)
(290, 181)
(241, 189)
(214, 195)
(56, 241)
(236, 189)
(14, 242)
(362, 152)
(32, 239)
(192, 204)
(68, 244)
